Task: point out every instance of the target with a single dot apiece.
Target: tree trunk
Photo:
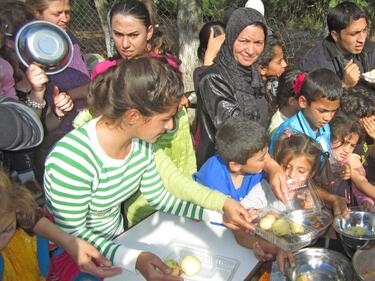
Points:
(189, 22)
(102, 6)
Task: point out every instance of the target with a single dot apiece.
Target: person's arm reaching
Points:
(83, 253)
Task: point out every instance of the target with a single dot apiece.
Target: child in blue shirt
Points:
(238, 171)
(318, 98)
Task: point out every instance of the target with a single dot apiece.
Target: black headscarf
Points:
(247, 80)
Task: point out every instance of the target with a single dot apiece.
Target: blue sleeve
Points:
(212, 174)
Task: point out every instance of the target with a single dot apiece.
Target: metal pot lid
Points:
(46, 44)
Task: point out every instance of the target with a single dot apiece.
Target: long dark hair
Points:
(144, 83)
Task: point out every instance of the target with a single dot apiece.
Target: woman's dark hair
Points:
(285, 89)
(204, 35)
(343, 125)
(343, 14)
(132, 8)
(288, 147)
(321, 83)
(16, 198)
(144, 83)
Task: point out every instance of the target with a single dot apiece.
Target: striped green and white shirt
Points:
(84, 188)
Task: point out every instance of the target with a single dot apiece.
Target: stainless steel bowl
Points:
(320, 264)
(364, 264)
(46, 44)
(363, 223)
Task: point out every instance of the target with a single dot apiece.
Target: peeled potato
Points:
(281, 227)
(267, 221)
(296, 228)
(172, 264)
(190, 265)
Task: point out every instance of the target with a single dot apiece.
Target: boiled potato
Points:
(267, 221)
(297, 228)
(172, 264)
(190, 265)
(281, 227)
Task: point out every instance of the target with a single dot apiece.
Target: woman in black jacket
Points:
(232, 86)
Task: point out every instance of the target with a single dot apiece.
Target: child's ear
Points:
(234, 166)
(262, 70)
(302, 102)
(132, 116)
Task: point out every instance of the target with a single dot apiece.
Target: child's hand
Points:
(153, 269)
(38, 79)
(89, 260)
(63, 102)
(213, 47)
(306, 200)
(368, 207)
(368, 123)
(260, 254)
(282, 257)
(237, 217)
(344, 172)
(339, 206)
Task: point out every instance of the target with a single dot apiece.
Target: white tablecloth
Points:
(159, 231)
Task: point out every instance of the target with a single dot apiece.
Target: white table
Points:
(158, 231)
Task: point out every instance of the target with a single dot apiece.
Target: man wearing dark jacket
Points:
(346, 50)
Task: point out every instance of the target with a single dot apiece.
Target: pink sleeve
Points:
(7, 84)
(359, 195)
(102, 67)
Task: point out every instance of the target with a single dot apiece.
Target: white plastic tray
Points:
(214, 267)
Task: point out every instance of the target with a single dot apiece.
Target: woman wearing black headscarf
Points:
(232, 85)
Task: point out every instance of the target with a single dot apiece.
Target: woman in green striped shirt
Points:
(93, 169)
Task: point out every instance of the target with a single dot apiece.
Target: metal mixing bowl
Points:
(364, 264)
(364, 221)
(320, 264)
(46, 44)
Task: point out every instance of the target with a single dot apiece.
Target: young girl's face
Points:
(341, 150)
(7, 228)
(150, 129)
(277, 65)
(298, 166)
(130, 36)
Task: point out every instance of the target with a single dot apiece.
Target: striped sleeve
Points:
(68, 178)
(158, 197)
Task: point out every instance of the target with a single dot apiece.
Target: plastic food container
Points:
(297, 236)
(301, 195)
(214, 267)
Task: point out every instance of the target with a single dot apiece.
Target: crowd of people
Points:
(88, 154)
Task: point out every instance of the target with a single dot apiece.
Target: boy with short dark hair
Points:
(319, 99)
(237, 171)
